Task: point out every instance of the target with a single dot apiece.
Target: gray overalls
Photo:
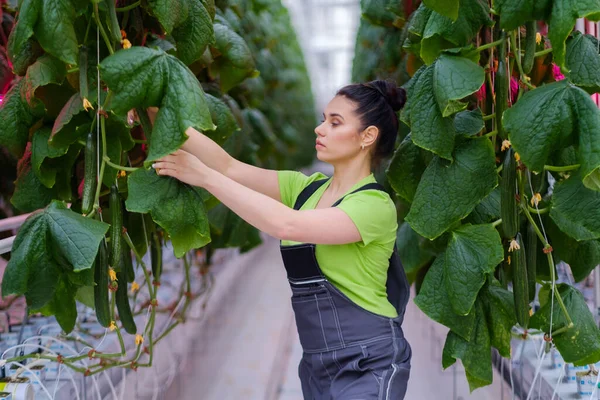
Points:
(349, 353)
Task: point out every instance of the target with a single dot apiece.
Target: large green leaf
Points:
(515, 13)
(434, 95)
(233, 58)
(71, 117)
(143, 77)
(582, 256)
(473, 252)
(222, 117)
(405, 169)
(487, 210)
(583, 61)
(175, 206)
(63, 305)
(449, 192)
(499, 307)
(433, 300)
(447, 8)
(475, 353)
(469, 123)
(439, 32)
(190, 24)
(52, 22)
(560, 14)
(411, 250)
(429, 128)
(551, 117)
(454, 78)
(576, 209)
(50, 243)
(195, 34)
(48, 161)
(16, 117)
(44, 71)
(579, 344)
(30, 193)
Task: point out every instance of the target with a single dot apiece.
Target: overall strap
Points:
(307, 192)
(368, 186)
(310, 189)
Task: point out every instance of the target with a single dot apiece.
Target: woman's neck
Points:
(346, 175)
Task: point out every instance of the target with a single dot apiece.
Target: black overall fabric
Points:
(349, 352)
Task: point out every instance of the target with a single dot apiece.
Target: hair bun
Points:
(394, 95)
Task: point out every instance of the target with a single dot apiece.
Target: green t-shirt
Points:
(358, 269)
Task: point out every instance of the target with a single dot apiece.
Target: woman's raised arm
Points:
(262, 180)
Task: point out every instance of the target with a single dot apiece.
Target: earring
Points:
(362, 146)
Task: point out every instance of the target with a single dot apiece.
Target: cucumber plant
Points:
(72, 85)
(496, 153)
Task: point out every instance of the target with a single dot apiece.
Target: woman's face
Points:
(338, 135)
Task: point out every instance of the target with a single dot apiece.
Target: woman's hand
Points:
(185, 167)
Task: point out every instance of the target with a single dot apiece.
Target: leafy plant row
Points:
(497, 173)
(80, 75)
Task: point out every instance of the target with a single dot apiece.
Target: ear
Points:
(369, 135)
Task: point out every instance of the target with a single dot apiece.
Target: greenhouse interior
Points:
(172, 174)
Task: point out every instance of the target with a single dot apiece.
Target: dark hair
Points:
(377, 103)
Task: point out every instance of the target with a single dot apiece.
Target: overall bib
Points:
(349, 353)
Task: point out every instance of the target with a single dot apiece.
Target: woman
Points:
(337, 241)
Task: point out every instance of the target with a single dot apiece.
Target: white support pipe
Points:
(7, 224)
(6, 244)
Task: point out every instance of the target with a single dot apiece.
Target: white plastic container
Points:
(556, 360)
(586, 382)
(19, 388)
(571, 371)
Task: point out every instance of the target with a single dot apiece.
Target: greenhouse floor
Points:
(248, 347)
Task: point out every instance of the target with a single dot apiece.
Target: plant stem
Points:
(499, 169)
(129, 7)
(74, 69)
(550, 262)
(119, 167)
(102, 31)
(540, 211)
(488, 117)
(517, 52)
(542, 52)
(561, 169)
(103, 163)
(497, 222)
(488, 45)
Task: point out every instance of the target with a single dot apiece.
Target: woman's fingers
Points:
(162, 165)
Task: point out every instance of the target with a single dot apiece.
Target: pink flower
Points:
(481, 93)
(514, 89)
(558, 76)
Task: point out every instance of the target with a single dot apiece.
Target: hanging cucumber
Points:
(101, 289)
(520, 283)
(509, 211)
(156, 256)
(116, 222)
(123, 306)
(529, 47)
(114, 27)
(501, 88)
(83, 70)
(532, 243)
(88, 193)
(127, 264)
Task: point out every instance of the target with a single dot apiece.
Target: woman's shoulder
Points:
(291, 183)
